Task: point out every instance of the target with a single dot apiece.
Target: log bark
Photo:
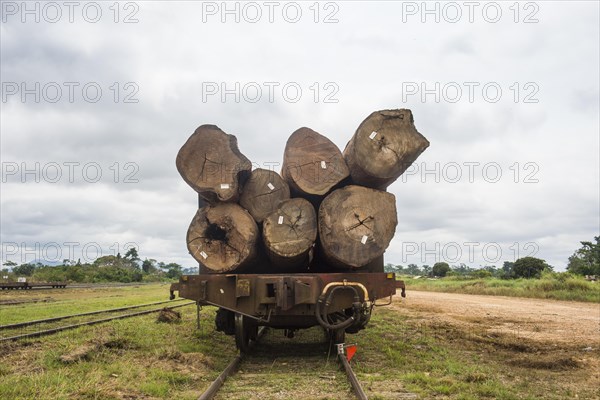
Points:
(289, 234)
(383, 147)
(312, 164)
(223, 238)
(211, 163)
(263, 192)
(356, 225)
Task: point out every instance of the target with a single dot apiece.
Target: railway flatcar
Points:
(338, 302)
(32, 285)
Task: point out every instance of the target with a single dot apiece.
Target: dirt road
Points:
(546, 321)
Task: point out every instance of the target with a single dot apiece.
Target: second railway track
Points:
(30, 329)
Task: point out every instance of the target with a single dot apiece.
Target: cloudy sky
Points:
(97, 98)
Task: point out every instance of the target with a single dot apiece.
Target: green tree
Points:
(530, 267)
(426, 269)
(173, 270)
(440, 269)
(109, 261)
(132, 254)
(392, 268)
(24, 269)
(507, 270)
(586, 260)
(9, 263)
(462, 269)
(413, 269)
(149, 266)
(482, 273)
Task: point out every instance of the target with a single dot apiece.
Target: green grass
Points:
(398, 354)
(550, 286)
(149, 359)
(77, 300)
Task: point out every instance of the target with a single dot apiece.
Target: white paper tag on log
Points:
(364, 239)
(224, 185)
(372, 135)
(280, 220)
(222, 291)
(270, 186)
(204, 255)
(323, 165)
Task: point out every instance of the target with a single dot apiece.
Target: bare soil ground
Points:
(547, 342)
(573, 324)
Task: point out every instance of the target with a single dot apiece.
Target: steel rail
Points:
(98, 321)
(358, 390)
(53, 319)
(227, 372)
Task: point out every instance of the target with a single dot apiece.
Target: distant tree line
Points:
(527, 267)
(127, 268)
(585, 261)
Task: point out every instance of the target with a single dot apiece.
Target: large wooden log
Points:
(223, 237)
(383, 147)
(289, 234)
(211, 163)
(312, 164)
(263, 192)
(356, 225)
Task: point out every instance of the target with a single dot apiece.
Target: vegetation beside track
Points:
(556, 286)
(399, 354)
(59, 302)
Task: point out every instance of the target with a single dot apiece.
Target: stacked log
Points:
(356, 225)
(263, 193)
(211, 163)
(383, 147)
(223, 237)
(289, 234)
(327, 210)
(312, 164)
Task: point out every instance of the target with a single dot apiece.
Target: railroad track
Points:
(15, 331)
(309, 365)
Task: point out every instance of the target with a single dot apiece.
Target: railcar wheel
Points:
(244, 331)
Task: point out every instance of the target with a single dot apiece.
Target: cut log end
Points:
(356, 224)
(223, 237)
(211, 163)
(263, 192)
(385, 144)
(289, 233)
(312, 164)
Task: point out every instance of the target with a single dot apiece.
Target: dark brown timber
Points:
(263, 192)
(383, 147)
(223, 237)
(312, 164)
(211, 163)
(356, 225)
(289, 234)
